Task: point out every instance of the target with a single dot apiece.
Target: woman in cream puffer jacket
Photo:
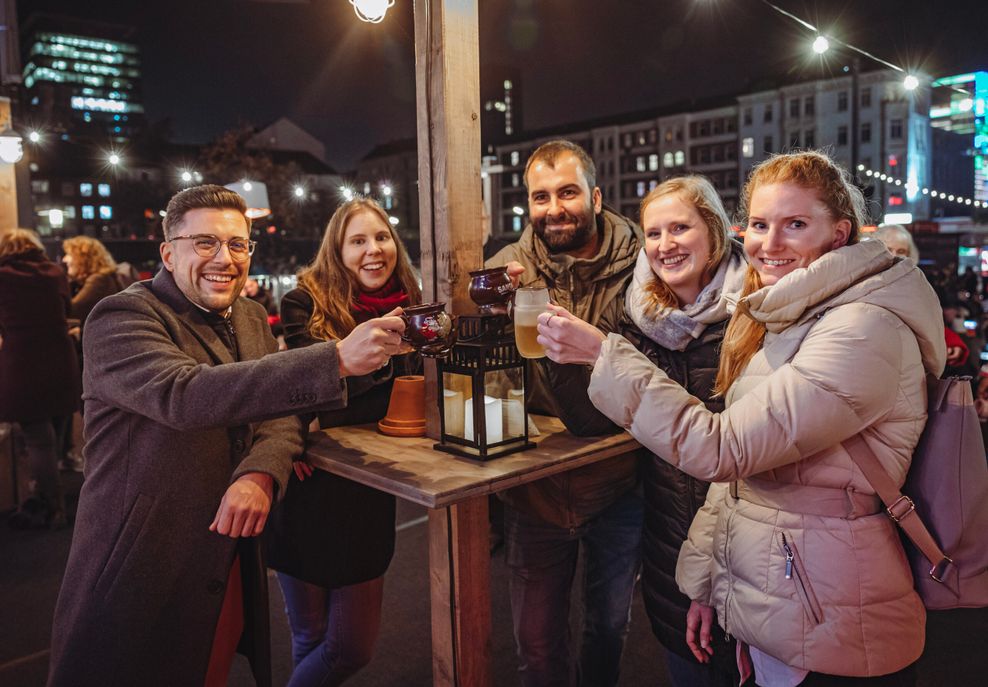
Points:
(831, 339)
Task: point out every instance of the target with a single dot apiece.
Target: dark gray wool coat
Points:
(170, 421)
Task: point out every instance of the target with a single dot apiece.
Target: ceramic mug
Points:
(491, 289)
(429, 329)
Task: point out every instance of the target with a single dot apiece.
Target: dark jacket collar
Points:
(194, 318)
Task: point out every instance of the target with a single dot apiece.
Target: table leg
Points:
(459, 581)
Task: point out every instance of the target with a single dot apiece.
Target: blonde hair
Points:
(810, 170)
(333, 287)
(701, 194)
(89, 257)
(16, 241)
(890, 232)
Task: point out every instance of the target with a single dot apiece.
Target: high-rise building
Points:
(82, 79)
(960, 106)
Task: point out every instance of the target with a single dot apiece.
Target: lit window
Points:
(105, 212)
(640, 163)
(85, 190)
(515, 158)
(516, 223)
(515, 179)
(667, 160)
(88, 212)
(680, 158)
(748, 147)
(653, 162)
(640, 188)
(103, 190)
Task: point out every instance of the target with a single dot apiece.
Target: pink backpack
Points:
(945, 515)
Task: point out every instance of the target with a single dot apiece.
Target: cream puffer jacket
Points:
(849, 341)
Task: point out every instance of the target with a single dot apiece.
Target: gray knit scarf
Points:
(674, 328)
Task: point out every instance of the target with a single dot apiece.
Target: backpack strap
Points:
(899, 506)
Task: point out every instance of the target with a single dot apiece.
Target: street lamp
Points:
(371, 11)
(821, 45)
(34, 137)
(113, 159)
(11, 146)
(910, 83)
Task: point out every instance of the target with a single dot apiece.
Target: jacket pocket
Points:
(133, 524)
(796, 571)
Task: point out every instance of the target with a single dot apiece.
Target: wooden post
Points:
(8, 185)
(459, 580)
(447, 85)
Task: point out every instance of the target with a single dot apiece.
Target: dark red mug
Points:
(429, 329)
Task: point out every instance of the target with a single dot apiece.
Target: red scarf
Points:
(370, 304)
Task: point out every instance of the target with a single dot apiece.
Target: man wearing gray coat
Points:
(191, 428)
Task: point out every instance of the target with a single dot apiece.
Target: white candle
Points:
(492, 418)
(453, 412)
(519, 395)
(514, 417)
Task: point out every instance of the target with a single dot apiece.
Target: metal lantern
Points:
(482, 382)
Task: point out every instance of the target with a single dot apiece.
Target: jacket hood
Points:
(862, 273)
(620, 241)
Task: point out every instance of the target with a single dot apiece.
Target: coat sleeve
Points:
(843, 379)
(95, 288)
(693, 566)
(133, 362)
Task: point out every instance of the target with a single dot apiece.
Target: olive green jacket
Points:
(593, 290)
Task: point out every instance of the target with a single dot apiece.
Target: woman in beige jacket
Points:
(831, 339)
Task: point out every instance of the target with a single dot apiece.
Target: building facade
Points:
(81, 79)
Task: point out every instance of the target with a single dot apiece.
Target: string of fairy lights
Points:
(913, 188)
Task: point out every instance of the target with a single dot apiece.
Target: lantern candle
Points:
(492, 418)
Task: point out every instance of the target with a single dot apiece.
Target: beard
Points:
(560, 241)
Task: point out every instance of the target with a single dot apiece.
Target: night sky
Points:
(211, 64)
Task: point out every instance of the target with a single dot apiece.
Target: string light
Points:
(913, 187)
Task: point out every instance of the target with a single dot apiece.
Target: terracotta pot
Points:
(406, 410)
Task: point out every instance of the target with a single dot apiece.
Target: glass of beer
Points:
(530, 301)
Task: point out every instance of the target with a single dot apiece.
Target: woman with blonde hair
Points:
(831, 340)
(39, 378)
(687, 277)
(331, 540)
(93, 273)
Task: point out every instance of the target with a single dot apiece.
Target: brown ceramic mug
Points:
(429, 329)
(491, 289)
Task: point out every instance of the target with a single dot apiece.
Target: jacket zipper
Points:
(796, 571)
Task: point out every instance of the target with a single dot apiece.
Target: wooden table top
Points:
(411, 469)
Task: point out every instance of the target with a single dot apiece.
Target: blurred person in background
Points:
(39, 378)
(332, 539)
(898, 240)
(93, 273)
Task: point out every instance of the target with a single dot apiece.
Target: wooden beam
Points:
(8, 184)
(459, 580)
(447, 87)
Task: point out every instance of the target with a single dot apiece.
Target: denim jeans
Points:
(542, 559)
(333, 630)
(686, 673)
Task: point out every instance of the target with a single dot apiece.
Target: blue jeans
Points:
(333, 630)
(542, 560)
(686, 673)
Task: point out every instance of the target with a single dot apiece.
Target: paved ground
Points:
(31, 565)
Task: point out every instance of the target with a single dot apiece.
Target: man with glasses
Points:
(191, 428)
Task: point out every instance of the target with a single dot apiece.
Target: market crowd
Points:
(764, 556)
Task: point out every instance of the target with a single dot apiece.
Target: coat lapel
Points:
(191, 316)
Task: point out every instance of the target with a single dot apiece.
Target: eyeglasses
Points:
(206, 246)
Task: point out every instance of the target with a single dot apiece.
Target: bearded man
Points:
(584, 254)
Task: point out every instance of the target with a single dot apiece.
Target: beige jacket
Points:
(850, 339)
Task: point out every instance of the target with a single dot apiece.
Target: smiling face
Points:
(561, 204)
(213, 283)
(678, 245)
(789, 227)
(369, 251)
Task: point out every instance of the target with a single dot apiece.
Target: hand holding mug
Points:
(514, 269)
(371, 344)
(568, 339)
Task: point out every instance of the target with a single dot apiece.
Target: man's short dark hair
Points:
(206, 197)
(549, 152)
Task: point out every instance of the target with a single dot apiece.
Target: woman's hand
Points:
(699, 626)
(568, 339)
(302, 470)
